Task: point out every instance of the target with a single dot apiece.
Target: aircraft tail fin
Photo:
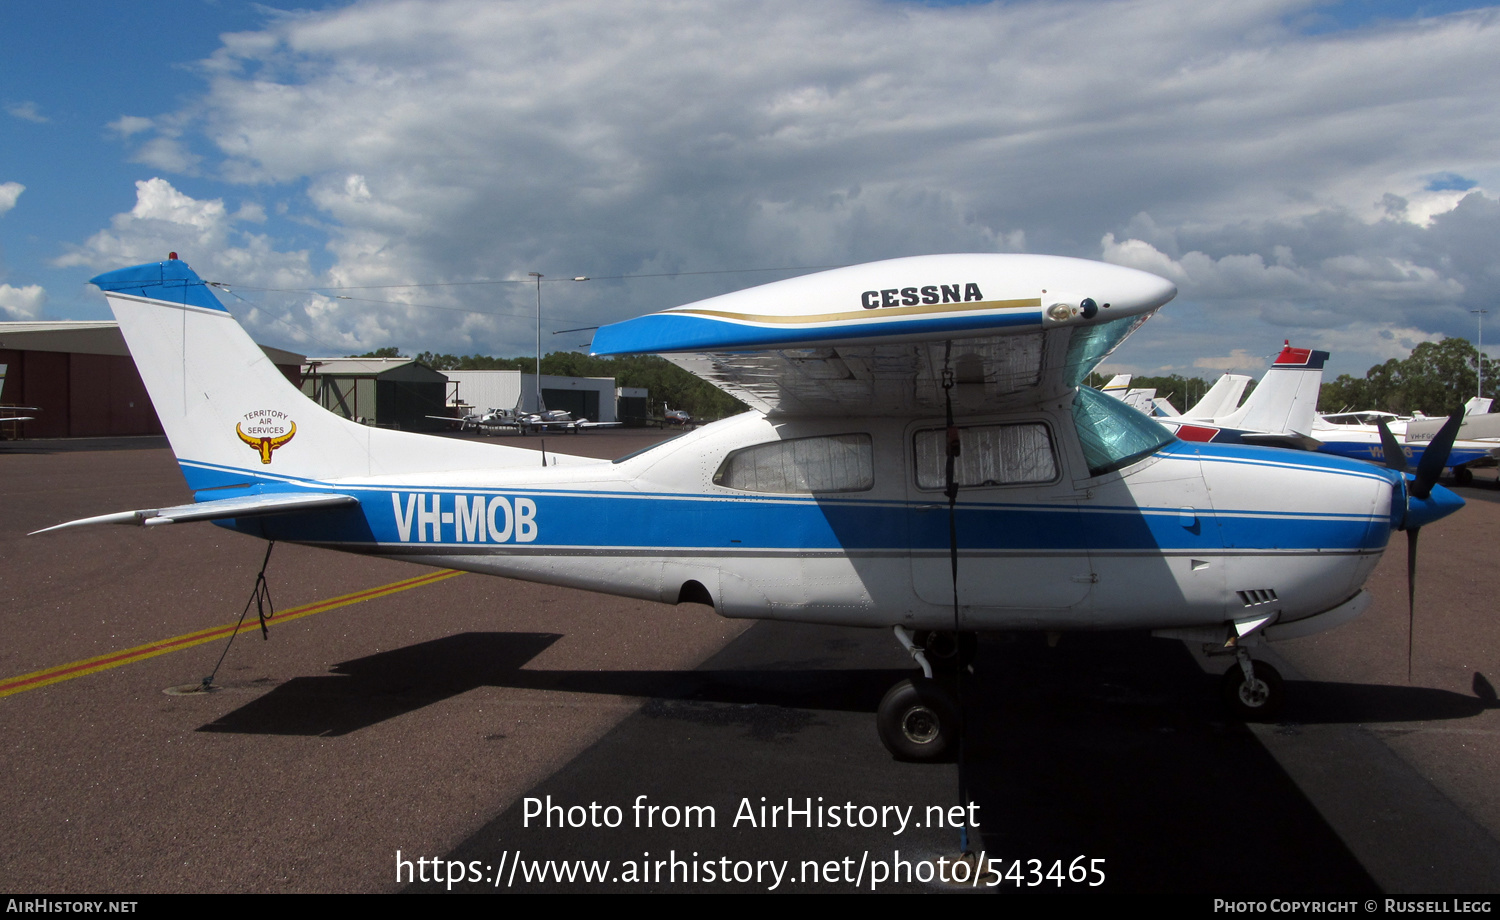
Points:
(230, 414)
(1140, 399)
(1287, 398)
(1221, 399)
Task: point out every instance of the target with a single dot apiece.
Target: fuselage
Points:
(846, 521)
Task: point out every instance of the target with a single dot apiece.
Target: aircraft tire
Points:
(1257, 701)
(918, 721)
(1462, 476)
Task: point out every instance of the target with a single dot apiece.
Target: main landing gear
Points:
(919, 719)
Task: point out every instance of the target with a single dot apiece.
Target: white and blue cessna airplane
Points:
(920, 457)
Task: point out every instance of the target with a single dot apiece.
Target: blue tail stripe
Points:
(171, 281)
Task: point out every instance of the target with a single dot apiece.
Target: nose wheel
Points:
(1253, 690)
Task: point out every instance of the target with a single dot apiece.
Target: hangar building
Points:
(592, 398)
(81, 378)
(388, 392)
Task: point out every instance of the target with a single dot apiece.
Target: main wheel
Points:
(918, 720)
(1258, 700)
(1463, 476)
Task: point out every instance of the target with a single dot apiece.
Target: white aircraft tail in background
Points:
(1221, 399)
(1279, 413)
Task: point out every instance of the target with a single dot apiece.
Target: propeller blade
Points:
(1395, 457)
(1435, 457)
(1429, 468)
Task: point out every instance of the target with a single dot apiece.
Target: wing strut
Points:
(950, 487)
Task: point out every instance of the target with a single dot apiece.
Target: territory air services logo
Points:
(265, 430)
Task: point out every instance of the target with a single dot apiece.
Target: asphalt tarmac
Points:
(433, 719)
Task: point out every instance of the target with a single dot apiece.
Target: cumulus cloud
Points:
(22, 303)
(26, 111)
(167, 154)
(9, 192)
(1238, 361)
(127, 125)
(1284, 180)
(210, 237)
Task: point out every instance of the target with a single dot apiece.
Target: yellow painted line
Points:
(64, 672)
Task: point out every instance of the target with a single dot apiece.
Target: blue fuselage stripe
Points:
(583, 519)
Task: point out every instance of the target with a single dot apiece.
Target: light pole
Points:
(1479, 363)
(538, 277)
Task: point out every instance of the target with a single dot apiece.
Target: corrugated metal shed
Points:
(389, 392)
(79, 375)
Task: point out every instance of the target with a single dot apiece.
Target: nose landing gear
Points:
(1253, 690)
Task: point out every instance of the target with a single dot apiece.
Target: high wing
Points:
(1014, 330)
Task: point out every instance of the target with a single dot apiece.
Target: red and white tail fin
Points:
(1287, 398)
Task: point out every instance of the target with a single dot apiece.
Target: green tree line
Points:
(1436, 379)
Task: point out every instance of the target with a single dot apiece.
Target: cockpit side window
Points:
(837, 463)
(1112, 434)
(989, 455)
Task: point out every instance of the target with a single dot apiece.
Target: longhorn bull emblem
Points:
(265, 444)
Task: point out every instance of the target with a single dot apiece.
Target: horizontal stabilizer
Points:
(243, 506)
(1288, 439)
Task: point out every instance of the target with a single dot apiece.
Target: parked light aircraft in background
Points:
(524, 422)
(558, 420)
(1358, 435)
(1279, 413)
(471, 420)
(1221, 399)
(9, 413)
(920, 457)
(1142, 400)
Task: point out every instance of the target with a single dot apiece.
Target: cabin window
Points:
(989, 455)
(1112, 434)
(840, 463)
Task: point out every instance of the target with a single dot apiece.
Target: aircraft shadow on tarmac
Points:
(781, 698)
(369, 690)
(1108, 746)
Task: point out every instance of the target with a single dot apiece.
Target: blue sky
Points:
(1325, 172)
